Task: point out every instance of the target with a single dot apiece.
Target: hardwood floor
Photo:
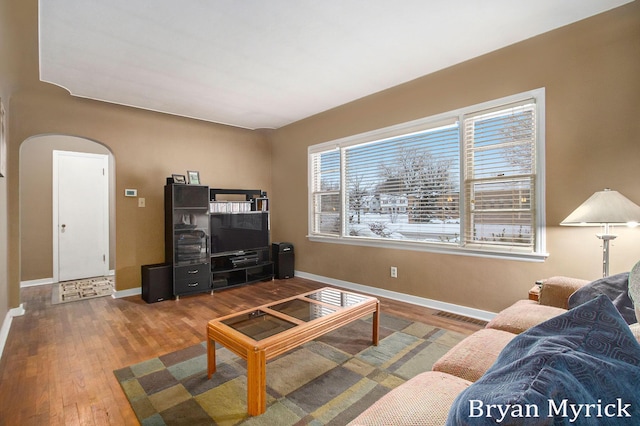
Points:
(58, 362)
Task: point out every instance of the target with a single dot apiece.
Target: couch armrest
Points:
(555, 291)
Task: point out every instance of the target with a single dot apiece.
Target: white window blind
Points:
(405, 187)
(500, 173)
(469, 181)
(326, 193)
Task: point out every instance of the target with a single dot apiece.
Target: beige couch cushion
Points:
(555, 291)
(423, 400)
(470, 358)
(523, 315)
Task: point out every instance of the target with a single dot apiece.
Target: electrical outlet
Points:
(141, 202)
(394, 272)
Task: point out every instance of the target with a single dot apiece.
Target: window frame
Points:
(504, 252)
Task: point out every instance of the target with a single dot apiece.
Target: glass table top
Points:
(262, 322)
(302, 309)
(337, 297)
(258, 324)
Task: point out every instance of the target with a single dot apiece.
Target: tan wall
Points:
(147, 147)
(8, 76)
(590, 71)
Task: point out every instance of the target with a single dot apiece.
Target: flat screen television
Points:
(235, 232)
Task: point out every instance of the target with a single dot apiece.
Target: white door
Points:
(80, 215)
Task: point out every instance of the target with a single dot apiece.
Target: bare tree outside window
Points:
(422, 177)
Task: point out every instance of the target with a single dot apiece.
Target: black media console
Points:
(239, 238)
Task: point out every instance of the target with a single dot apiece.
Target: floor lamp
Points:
(605, 208)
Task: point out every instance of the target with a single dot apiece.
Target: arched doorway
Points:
(36, 203)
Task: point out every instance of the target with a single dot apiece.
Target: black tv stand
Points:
(243, 265)
(233, 270)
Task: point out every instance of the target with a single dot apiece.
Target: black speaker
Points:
(157, 282)
(283, 259)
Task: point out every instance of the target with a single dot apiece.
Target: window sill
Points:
(431, 248)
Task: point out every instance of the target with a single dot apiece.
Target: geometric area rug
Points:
(328, 381)
(87, 288)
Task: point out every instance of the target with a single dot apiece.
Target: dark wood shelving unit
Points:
(187, 237)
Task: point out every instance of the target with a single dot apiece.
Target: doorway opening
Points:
(40, 261)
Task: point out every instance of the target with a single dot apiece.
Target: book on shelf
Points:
(229, 206)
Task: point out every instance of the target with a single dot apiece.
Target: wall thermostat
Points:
(130, 192)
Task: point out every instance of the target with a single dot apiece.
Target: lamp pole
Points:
(605, 237)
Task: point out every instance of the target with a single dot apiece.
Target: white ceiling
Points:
(268, 63)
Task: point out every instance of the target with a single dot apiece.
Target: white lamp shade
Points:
(604, 207)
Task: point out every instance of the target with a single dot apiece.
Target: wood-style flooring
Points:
(58, 362)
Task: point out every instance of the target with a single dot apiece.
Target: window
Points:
(470, 181)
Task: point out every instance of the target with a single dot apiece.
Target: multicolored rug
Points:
(88, 288)
(327, 381)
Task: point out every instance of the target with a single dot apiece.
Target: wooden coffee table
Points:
(266, 331)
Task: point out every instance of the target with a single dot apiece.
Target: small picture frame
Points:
(194, 177)
(179, 179)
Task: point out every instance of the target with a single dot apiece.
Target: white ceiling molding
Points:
(265, 64)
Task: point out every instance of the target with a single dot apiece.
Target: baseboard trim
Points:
(126, 293)
(6, 325)
(34, 283)
(403, 297)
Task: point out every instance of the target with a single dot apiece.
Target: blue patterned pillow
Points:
(615, 287)
(579, 368)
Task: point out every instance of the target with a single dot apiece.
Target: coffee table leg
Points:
(376, 324)
(256, 383)
(211, 357)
